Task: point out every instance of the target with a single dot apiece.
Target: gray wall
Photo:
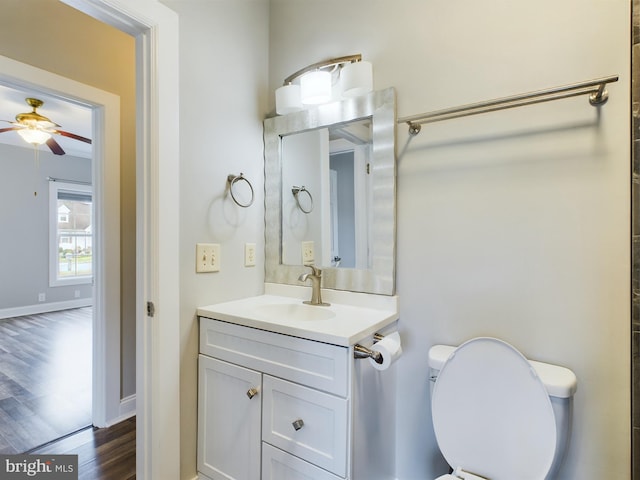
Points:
(223, 65)
(512, 224)
(301, 153)
(24, 245)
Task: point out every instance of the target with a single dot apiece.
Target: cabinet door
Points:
(228, 420)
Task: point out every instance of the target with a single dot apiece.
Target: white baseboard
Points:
(128, 406)
(127, 410)
(44, 307)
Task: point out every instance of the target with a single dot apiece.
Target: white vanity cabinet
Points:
(272, 406)
(281, 396)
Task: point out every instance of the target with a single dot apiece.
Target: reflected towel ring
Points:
(296, 191)
(231, 180)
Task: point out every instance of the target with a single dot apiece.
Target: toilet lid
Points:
(491, 413)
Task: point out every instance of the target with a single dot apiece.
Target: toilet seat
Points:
(491, 413)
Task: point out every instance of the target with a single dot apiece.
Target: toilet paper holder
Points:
(363, 352)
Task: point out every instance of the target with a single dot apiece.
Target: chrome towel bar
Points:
(595, 88)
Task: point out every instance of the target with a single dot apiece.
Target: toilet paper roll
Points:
(390, 348)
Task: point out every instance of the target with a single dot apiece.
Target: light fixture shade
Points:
(357, 79)
(315, 87)
(34, 136)
(288, 99)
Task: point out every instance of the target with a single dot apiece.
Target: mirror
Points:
(326, 174)
(330, 175)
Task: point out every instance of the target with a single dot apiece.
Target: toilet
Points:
(497, 415)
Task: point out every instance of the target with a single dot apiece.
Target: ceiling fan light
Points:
(34, 136)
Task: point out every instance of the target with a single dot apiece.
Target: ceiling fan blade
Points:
(8, 129)
(73, 135)
(55, 147)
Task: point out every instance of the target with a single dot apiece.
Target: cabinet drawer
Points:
(322, 439)
(316, 364)
(279, 465)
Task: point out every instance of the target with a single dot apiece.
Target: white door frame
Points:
(155, 28)
(105, 174)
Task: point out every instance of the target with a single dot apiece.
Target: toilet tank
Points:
(560, 383)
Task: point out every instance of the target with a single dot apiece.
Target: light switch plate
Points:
(308, 256)
(249, 254)
(207, 257)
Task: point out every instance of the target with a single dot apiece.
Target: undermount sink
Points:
(299, 311)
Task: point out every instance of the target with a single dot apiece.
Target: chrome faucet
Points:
(315, 276)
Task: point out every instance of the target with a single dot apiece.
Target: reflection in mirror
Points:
(331, 165)
(330, 194)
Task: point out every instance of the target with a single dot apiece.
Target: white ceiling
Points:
(71, 117)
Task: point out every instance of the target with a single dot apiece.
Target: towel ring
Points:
(296, 191)
(231, 180)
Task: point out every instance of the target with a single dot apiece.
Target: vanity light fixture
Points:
(357, 79)
(317, 83)
(315, 87)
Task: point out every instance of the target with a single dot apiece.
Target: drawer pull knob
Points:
(298, 424)
(252, 392)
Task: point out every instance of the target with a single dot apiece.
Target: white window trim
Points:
(54, 187)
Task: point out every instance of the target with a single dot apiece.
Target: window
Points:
(70, 234)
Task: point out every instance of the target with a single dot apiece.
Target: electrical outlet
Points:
(42, 297)
(307, 253)
(76, 293)
(249, 254)
(207, 257)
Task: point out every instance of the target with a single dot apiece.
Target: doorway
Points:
(155, 28)
(104, 106)
(47, 295)
(157, 392)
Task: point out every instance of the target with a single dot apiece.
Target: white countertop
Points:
(349, 319)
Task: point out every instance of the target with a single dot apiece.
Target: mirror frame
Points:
(381, 107)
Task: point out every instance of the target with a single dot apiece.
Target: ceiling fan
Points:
(38, 129)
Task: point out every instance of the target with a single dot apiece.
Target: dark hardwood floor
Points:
(103, 454)
(45, 396)
(45, 377)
